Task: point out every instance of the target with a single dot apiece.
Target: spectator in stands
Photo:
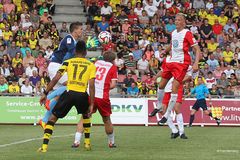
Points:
(143, 42)
(218, 55)
(51, 6)
(217, 72)
(127, 83)
(152, 91)
(26, 88)
(121, 43)
(30, 69)
(228, 71)
(35, 18)
(148, 52)
(150, 8)
(138, 9)
(8, 7)
(227, 55)
(12, 77)
(222, 83)
(124, 52)
(143, 19)
(214, 91)
(211, 17)
(40, 60)
(206, 30)
(233, 80)
(137, 53)
(133, 90)
(14, 87)
(29, 58)
(237, 72)
(131, 65)
(106, 10)
(235, 61)
(45, 80)
(19, 70)
(17, 59)
(205, 70)
(228, 92)
(125, 26)
(27, 23)
(24, 49)
(119, 62)
(143, 90)
(229, 25)
(43, 8)
(3, 85)
(234, 44)
(12, 50)
(64, 30)
(154, 65)
(143, 65)
(45, 41)
(212, 63)
(212, 45)
(38, 89)
(210, 80)
(34, 78)
(6, 69)
(103, 25)
(149, 81)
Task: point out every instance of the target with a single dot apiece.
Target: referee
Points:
(81, 72)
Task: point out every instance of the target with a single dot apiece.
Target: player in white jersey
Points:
(106, 79)
(177, 64)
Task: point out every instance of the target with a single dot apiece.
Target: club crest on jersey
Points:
(175, 43)
(69, 40)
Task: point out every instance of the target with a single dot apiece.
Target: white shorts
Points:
(52, 70)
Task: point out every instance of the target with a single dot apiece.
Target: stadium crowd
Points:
(142, 29)
(140, 32)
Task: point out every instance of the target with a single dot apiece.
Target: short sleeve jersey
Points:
(181, 42)
(79, 71)
(106, 72)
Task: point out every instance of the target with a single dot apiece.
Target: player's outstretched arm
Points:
(91, 94)
(113, 84)
(197, 51)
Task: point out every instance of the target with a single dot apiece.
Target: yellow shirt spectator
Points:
(2, 26)
(7, 34)
(32, 43)
(202, 14)
(15, 61)
(114, 2)
(212, 47)
(211, 18)
(196, 80)
(238, 2)
(14, 88)
(228, 56)
(235, 13)
(97, 18)
(223, 20)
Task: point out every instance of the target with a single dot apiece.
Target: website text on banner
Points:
(229, 109)
(27, 110)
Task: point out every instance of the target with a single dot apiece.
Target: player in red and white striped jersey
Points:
(106, 79)
(179, 61)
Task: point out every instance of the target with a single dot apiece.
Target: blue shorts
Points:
(200, 103)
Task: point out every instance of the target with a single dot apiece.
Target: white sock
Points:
(78, 137)
(160, 95)
(171, 105)
(180, 123)
(111, 138)
(171, 125)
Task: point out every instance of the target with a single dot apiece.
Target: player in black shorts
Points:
(81, 72)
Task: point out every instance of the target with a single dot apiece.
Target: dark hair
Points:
(109, 56)
(81, 48)
(74, 26)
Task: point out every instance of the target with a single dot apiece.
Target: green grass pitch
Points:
(134, 143)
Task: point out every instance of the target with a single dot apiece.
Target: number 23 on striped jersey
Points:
(100, 73)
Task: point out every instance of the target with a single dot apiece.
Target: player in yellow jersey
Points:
(81, 72)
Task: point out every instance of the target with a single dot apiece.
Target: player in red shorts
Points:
(179, 61)
(168, 89)
(106, 79)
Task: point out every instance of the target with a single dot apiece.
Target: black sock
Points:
(210, 114)
(191, 120)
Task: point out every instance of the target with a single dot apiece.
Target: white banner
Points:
(129, 111)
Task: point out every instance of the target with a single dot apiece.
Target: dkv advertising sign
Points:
(129, 111)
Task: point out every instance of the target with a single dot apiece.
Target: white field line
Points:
(227, 151)
(31, 139)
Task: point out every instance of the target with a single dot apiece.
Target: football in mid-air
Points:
(104, 37)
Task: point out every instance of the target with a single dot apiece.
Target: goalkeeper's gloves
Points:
(92, 42)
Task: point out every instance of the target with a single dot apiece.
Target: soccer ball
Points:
(104, 37)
